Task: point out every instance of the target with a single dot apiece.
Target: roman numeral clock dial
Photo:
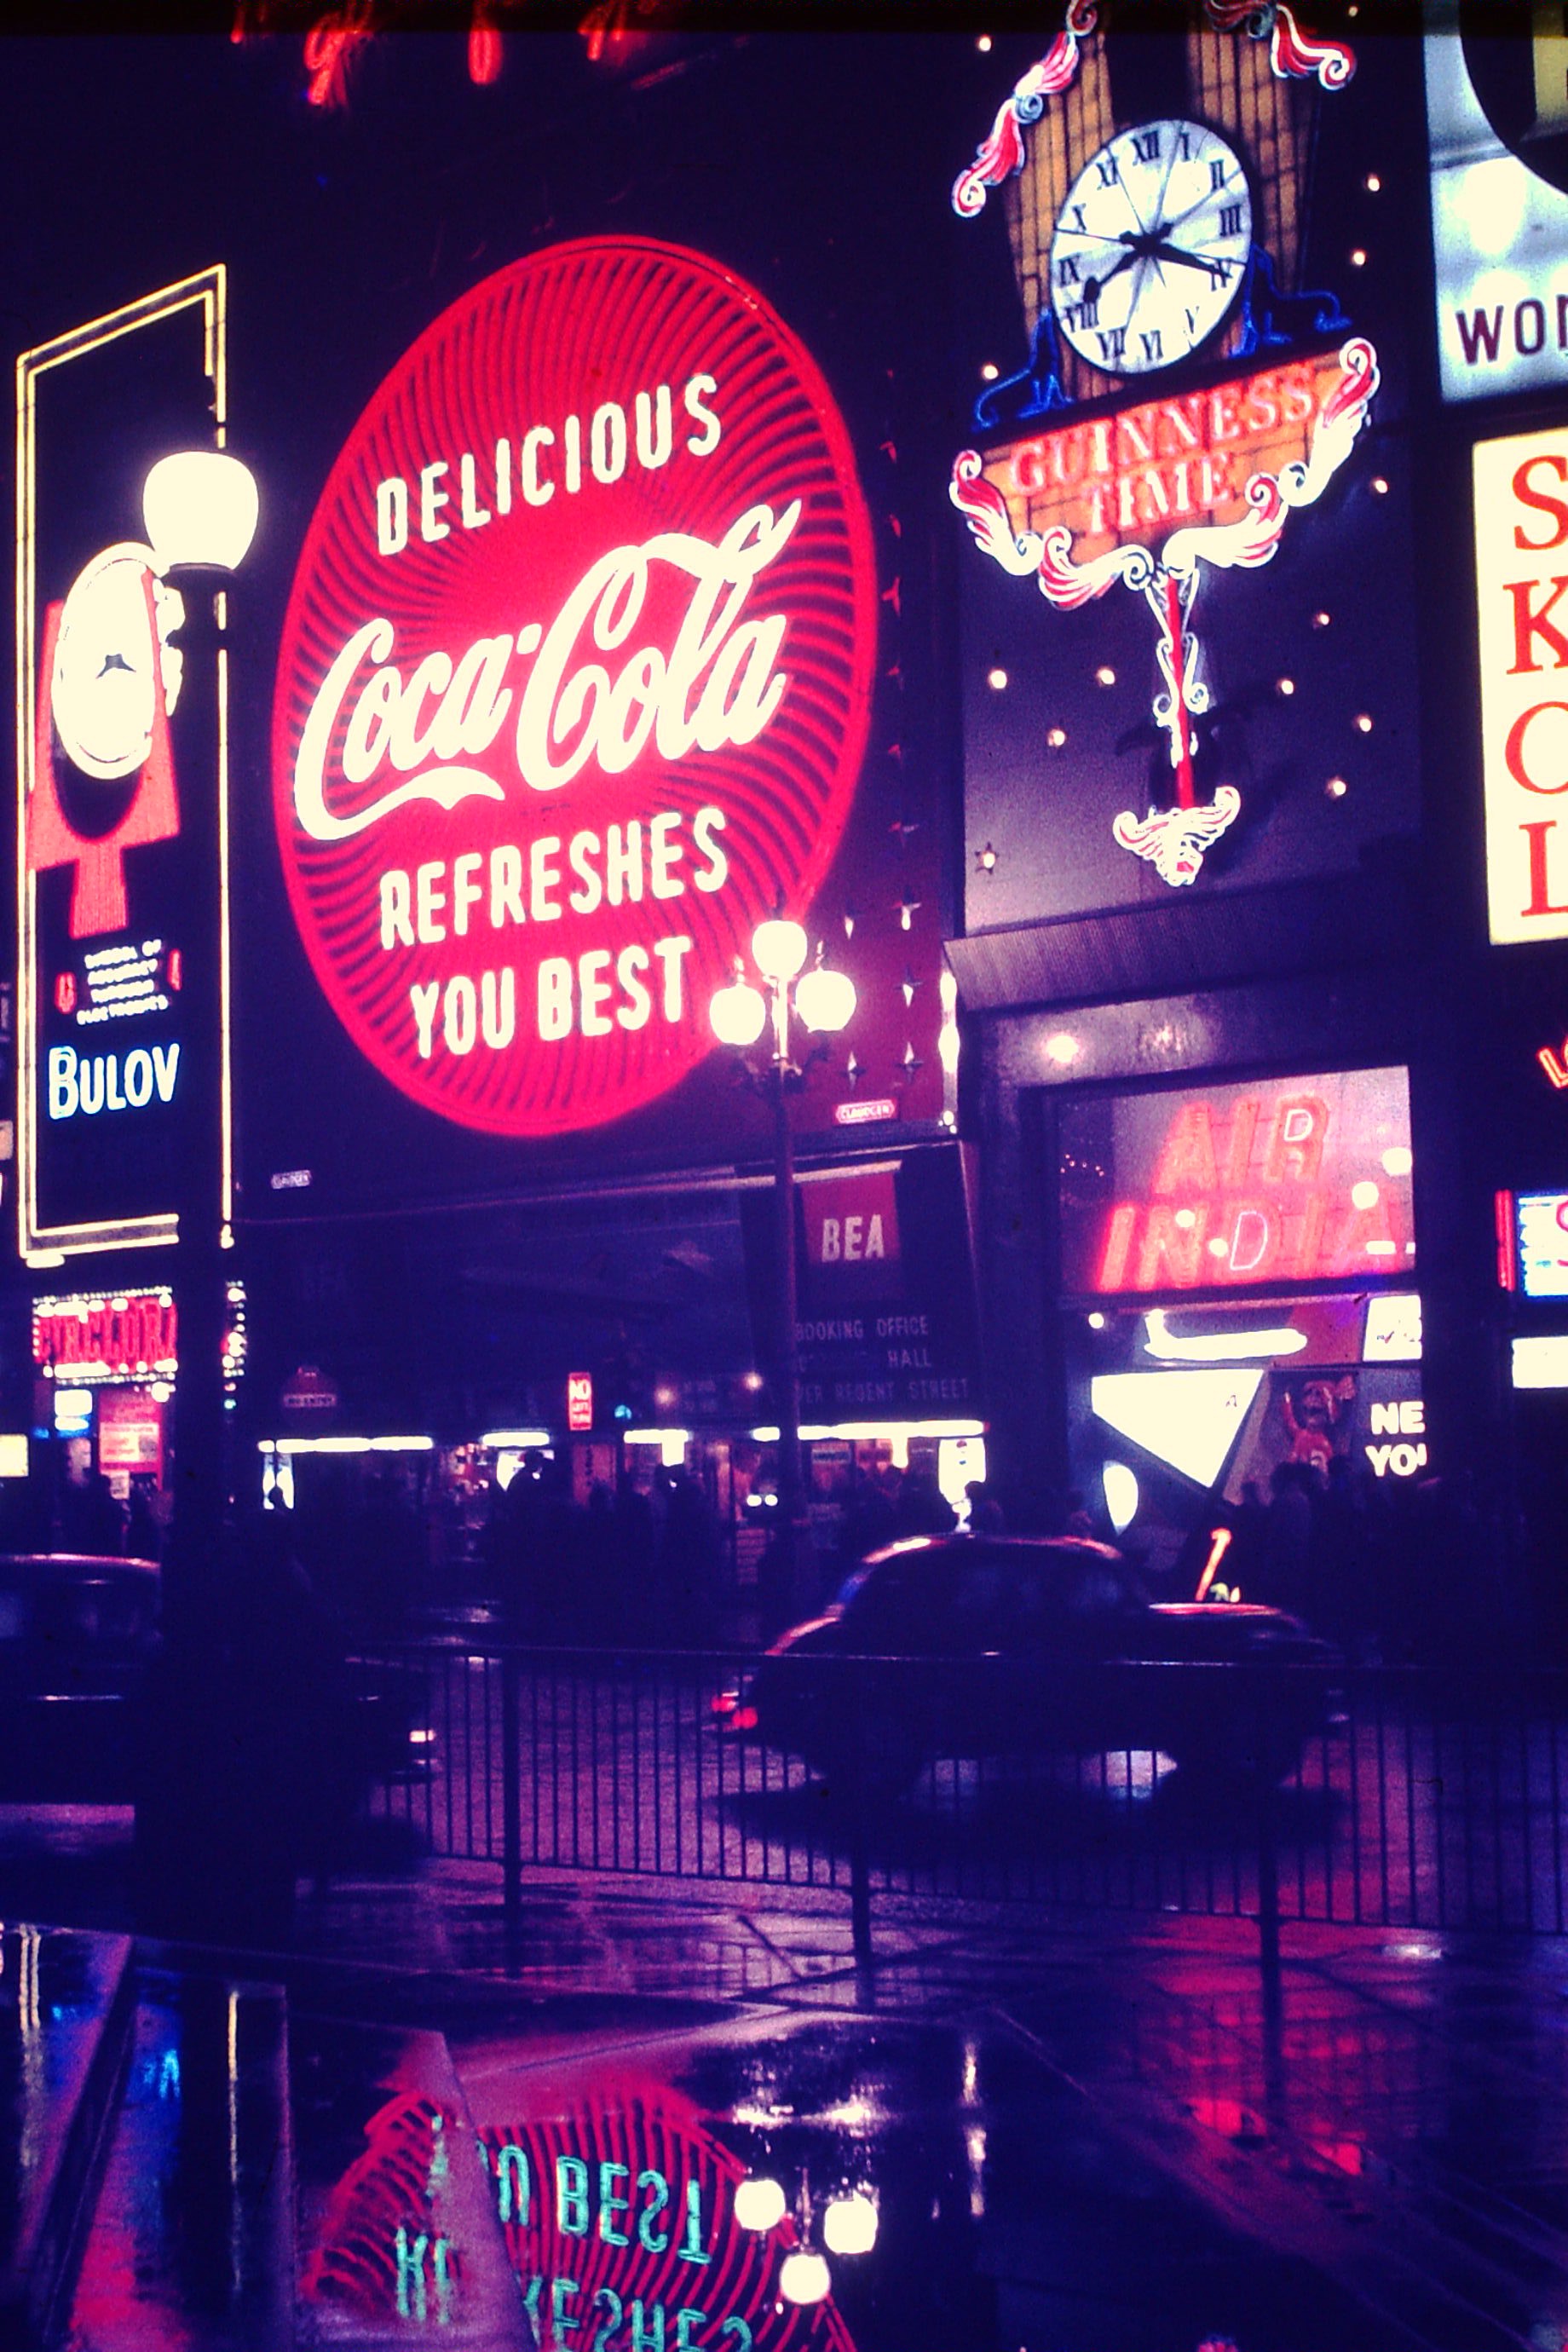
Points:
(1149, 247)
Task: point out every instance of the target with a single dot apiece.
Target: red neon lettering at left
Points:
(1172, 1252)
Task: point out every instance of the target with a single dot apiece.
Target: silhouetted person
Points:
(143, 1540)
(923, 1509)
(97, 1523)
(688, 1558)
(1339, 1554)
(870, 1520)
(985, 1517)
(1289, 1537)
(1077, 1520)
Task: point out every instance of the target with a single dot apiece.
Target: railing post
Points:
(861, 1860)
(511, 1788)
(1268, 1851)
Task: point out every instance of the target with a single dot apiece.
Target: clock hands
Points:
(1162, 252)
(1094, 287)
(1148, 245)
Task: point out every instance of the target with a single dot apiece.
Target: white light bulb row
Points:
(848, 2228)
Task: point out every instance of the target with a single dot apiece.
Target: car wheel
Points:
(882, 1763)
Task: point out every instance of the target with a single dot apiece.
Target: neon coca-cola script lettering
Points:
(718, 685)
(565, 709)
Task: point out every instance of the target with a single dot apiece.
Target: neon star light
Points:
(1174, 840)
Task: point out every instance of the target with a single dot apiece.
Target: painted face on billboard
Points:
(574, 683)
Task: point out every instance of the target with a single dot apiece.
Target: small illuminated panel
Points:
(1190, 1420)
(1392, 1329)
(1542, 1363)
(1543, 1244)
(13, 1453)
(1498, 222)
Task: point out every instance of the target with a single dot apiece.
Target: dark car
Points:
(962, 1646)
(78, 1635)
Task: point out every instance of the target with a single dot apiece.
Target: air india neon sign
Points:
(574, 683)
(1254, 1185)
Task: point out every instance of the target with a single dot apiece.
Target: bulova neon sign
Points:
(551, 737)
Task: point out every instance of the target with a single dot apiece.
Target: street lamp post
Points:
(823, 1002)
(200, 508)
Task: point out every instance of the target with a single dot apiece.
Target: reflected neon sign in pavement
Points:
(626, 2221)
(574, 683)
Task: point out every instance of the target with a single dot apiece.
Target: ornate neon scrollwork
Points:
(1174, 839)
(1002, 154)
(1294, 53)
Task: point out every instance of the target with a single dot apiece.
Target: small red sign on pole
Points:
(579, 1401)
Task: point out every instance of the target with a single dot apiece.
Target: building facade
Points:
(1068, 517)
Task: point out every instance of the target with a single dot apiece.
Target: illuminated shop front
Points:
(104, 1364)
(617, 1342)
(1236, 1267)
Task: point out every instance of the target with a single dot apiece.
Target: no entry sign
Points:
(574, 682)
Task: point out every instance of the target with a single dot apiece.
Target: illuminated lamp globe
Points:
(1120, 1485)
(736, 1015)
(759, 2205)
(825, 999)
(779, 947)
(849, 2225)
(804, 2277)
(200, 508)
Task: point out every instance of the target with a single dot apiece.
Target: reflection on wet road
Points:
(1132, 2156)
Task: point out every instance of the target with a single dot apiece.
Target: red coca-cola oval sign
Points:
(574, 682)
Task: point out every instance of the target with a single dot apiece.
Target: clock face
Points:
(1149, 247)
(113, 629)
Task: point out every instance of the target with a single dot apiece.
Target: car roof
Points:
(74, 1565)
(1023, 1550)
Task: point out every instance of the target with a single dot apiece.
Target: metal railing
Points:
(1388, 1799)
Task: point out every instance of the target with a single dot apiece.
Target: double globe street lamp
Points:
(821, 1002)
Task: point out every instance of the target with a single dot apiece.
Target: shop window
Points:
(1236, 1264)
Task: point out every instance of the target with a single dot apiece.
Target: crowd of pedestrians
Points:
(1431, 1570)
(1397, 1569)
(629, 1564)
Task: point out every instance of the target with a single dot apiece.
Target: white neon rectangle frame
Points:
(43, 1245)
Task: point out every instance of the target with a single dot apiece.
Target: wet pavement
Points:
(1070, 2134)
